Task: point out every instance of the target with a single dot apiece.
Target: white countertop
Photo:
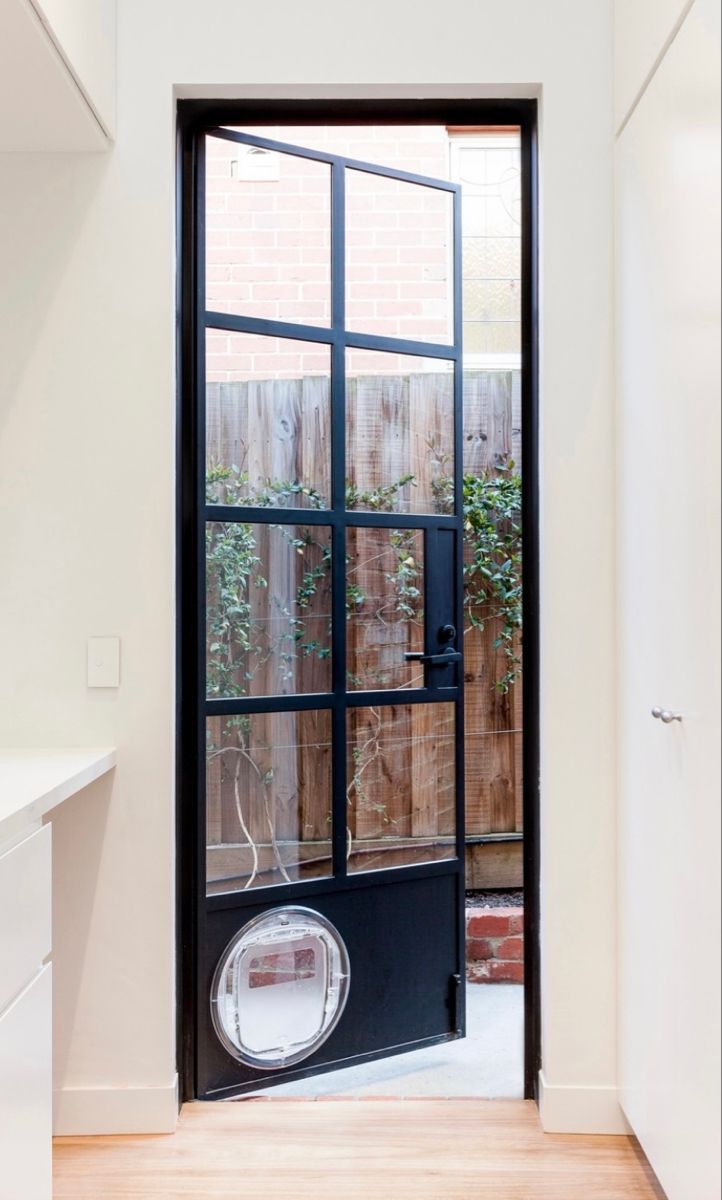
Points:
(33, 781)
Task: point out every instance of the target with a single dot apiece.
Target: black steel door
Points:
(328, 613)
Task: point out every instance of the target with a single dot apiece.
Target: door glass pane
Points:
(492, 337)
(399, 433)
(398, 258)
(492, 257)
(492, 299)
(400, 785)
(268, 421)
(493, 651)
(268, 609)
(268, 234)
(384, 605)
(488, 166)
(268, 799)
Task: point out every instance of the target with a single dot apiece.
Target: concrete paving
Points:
(488, 1063)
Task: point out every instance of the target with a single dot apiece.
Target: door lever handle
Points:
(444, 659)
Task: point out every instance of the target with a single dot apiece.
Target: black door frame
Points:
(193, 115)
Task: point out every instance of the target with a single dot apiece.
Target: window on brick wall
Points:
(488, 165)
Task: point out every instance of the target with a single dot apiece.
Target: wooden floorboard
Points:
(356, 1150)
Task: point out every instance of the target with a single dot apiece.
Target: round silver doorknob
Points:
(666, 715)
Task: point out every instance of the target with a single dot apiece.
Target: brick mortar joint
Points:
(495, 934)
(515, 910)
(495, 942)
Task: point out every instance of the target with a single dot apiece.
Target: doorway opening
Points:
(358, 454)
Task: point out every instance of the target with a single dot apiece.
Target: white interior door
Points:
(668, 223)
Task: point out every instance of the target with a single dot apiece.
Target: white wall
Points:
(87, 492)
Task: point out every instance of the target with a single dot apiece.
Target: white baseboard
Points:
(574, 1109)
(78, 1111)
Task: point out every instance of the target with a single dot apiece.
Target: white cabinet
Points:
(641, 29)
(26, 1093)
(57, 75)
(668, 229)
(25, 1019)
(32, 784)
(25, 900)
(84, 30)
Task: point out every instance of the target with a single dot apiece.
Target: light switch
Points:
(104, 662)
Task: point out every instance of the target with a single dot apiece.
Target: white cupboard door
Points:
(26, 1093)
(668, 259)
(25, 911)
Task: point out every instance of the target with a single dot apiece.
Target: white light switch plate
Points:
(104, 662)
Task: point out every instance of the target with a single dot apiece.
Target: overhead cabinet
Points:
(57, 75)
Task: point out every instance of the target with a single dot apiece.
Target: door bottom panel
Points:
(405, 948)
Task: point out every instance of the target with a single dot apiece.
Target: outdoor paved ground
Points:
(488, 1063)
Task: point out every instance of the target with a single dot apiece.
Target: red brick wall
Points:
(268, 245)
(495, 945)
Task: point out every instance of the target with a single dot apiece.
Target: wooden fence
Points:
(401, 793)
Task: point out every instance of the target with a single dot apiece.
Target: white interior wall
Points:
(87, 497)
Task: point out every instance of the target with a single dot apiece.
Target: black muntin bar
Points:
(334, 160)
(231, 706)
(421, 695)
(392, 345)
(263, 327)
(253, 515)
(233, 323)
(348, 882)
(324, 516)
(339, 820)
(228, 706)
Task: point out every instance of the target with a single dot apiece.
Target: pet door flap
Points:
(280, 988)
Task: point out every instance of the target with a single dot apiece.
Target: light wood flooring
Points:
(354, 1150)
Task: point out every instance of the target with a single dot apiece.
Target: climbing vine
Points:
(234, 570)
(237, 646)
(493, 561)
